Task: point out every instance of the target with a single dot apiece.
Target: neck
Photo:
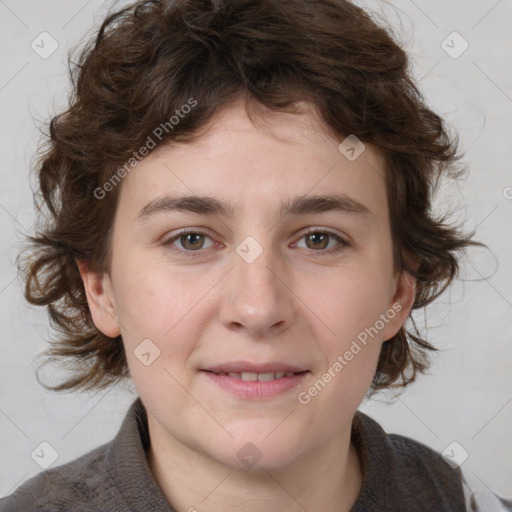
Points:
(329, 479)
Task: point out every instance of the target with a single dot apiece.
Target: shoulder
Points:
(417, 458)
(114, 476)
(65, 487)
(405, 473)
(426, 474)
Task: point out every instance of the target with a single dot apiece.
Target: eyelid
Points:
(343, 243)
(328, 231)
(169, 240)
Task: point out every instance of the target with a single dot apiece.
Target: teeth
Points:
(262, 377)
(249, 376)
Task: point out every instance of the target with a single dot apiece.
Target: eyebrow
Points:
(301, 205)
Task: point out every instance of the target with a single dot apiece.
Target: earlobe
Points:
(405, 291)
(401, 304)
(100, 299)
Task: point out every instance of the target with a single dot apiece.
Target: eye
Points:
(192, 241)
(319, 239)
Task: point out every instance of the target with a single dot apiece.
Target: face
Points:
(299, 295)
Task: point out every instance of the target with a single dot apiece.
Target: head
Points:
(281, 101)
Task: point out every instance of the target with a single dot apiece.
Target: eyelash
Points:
(342, 242)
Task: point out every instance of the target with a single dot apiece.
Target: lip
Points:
(257, 390)
(248, 367)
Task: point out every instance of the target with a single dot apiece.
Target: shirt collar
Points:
(127, 463)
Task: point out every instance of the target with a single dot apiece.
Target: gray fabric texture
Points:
(400, 475)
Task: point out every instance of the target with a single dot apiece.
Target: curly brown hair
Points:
(147, 60)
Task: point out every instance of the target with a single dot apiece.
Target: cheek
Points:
(151, 299)
(167, 307)
(353, 302)
(350, 339)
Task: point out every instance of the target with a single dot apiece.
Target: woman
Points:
(240, 222)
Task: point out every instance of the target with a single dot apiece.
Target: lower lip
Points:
(257, 389)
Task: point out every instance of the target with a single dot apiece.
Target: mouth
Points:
(256, 381)
(256, 376)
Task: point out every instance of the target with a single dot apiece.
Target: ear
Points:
(401, 303)
(100, 298)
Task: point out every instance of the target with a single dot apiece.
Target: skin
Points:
(288, 305)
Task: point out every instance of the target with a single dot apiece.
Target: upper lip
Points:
(247, 367)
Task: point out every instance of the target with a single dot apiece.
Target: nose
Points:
(257, 296)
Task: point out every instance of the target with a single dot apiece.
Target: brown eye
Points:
(192, 241)
(188, 242)
(317, 240)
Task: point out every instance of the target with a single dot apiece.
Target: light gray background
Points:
(467, 397)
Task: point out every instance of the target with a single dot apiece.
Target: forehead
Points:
(247, 161)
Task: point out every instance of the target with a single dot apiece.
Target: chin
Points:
(258, 453)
